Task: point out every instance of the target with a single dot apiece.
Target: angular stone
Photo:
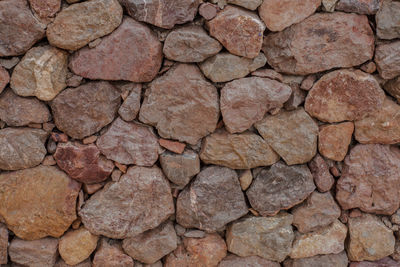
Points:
(297, 97)
(393, 88)
(388, 20)
(4, 78)
(366, 7)
(280, 188)
(3, 244)
(249, 4)
(245, 179)
(85, 263)
(291, 134)
(131, 105)
(186, 113)
(384, 262)
(320, 171)
(132, 52)
(238, 30)
(211, 201)
(344, 95)
(334, 140)
(173, 146)
(329, 5)
(321, 42)
(387, 58)
(251, 261)
(41, 252)
(268, 73)
(329, 260)
(84, 110)
(45, 8)
(110, 254)
(86, 22)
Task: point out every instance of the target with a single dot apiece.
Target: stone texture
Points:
(42, 72)
(320, 171)
(367, 7)
(321, 42)
(127, 204)
(251, 261)
(280, 187)
(131, 105)
(384, 262)
(329, 260)
(208, 10)
(110, 254)
(291, 134)
(245, 179)
(132, 52)
(186, 113)
(388, 20)
(268, 73)
(344, 95)
(393, 88)
(334, 140)
(85, 263)
(387, 58)
(249, 4)
(296, 98)
(212, 200)
(238, 30)
(329, 5)
(84, 110)
(3, 244)
(4, 78)
(86, 22)
(45, 8)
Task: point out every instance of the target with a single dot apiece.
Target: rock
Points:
(132, 52)
(249, 4)
(291, 134)
(4, 78)
(334, 140)
(208, 10)
(370, 179)
(85, 263)
(45, 8)
(329, 5)
(251, 261)
(268, 237)
(37, 253)
(190, 44)
(320, 42)
(245, 179)
(131, 105)
(370, 239)
(9, 63)
(387, 58)
(211, 201)
(296, 98)
(195, 233)
(238, 30)
(42, 73)
(3, 244)
(173, 146)
(186, 113)
(110, 254)
(393, 88)
(367, 7)
(279, 15)
(245, 101)
(152, 245)
(77, 245)
(330, 260)
(225, 67)
(268, 73)
(280, 187)
(384, 262)
(86, 22)
(129, 217)
(388, 20)
(320, 171)
(237, 151)
(344, 95)
(308, 82)
(84, 110)
(20, 29)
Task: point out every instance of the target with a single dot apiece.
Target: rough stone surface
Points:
(387, 57)
(385, 262)
(85, 263)
(249, 4)
(330, 260)
(3, 244)
(208, 10)
(388, 20)
(4, 78)
(366, 7)
(131, 105)
(45, 8)
(110, 254)
(393, 88)
(334, 140)
(251, 261)
(176, 147)
(296, 98)
(320, 171)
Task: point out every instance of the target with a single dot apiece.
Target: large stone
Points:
(291, 134)
(3, 244)
(320, 171)
(280, 188)
(370, 179)
(250, 261)
(249, 4)
(334, 140)
(186, 113)
(132, 52)
(321, 42)
(131, 105)
(85, 263)
(238, 30)
(110, 254)
(367, 7)
(79, 24)
(84, 110)
(344, 95)
(138, 202)
(4, 78)
(384, 262)
(45, 8)
(42, 72)
(388, 20)
(330, 260)
(393, 88)
(212, 200)
(387, 57)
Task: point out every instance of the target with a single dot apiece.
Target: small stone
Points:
(94, 43)
(3, 244)
(308, 82)
(35, 125)
(245, 179)
(49, 161)
(329, 260)
(51, 146)
(250, 261)
(369, 67)
(322, 178)
(41, 252)
(393, 88)
(45, 8)
(296, 99)
(384, 262)
(334, 140)
(89, 140)
(249, 4)
(48, 126)
(195, 234)
(173, 146)
(74, 81)
(208, 10)
(4, 78)
(123, 168)
(110, 254)
(131, 105)
(59, 137)
(388, 20)
(367, 7)
(387, 58)
(115, 175)
(329, 5)
(85, 263)
(92, 188)
(9, 63)
(268, 73)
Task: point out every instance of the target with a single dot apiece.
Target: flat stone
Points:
(387, 58)
(329, 260)
(366, 7)
(131, 105)
(238, 30)
(388, 20)
(132, 52)
(110, 254)
(344, 95)
(252, 261)
(334, 140)
(86, 22)
(176, 147)
(41, 252)
(384, 262)
(186, 113)
(320, 171)
(45, 8)
(9, 63)
(3, 244)
(4, 78)
(291, 134)
(317, 44)
(393, 88)
(85, 263)
(249, 4)
(268, 73)
(280, 188)
(211, 201)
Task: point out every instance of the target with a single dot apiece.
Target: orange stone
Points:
(173, 146)
(335, 139)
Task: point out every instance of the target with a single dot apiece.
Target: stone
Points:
(278, 15)
(152, 245)
(237, 151)
(344, 95)
(86, 22)
(195, 233)
(4, 78)
(384, 262)
(329, 5)
(329, 260)
(387, 59)
(59, 137)
(268, 73)
(334, 140)
(131, 105)
(132, 52)
(308, 82)
(186, 113)
(45, 8)
(291, 134)
(84, 110)
(164, 14)
(388, 20)
(320, 171)
(190, 44)
(36, 253)
(19, 30)
(370, 239)
(173, 146)
(296, 98)
(77, 245)
(110, 254)
(3, 244)
(208, 10)
(85, 263)
(393, 88)
(370, 179)
(249, 4)
(280, 188)
(245, 179)
(267, 237)
(366, 7)
(251, 261)
(9, 63)
(211, 201)
(89, 140)
(225, 67)
(74, 80)
(321, 42)
(127, 204)
(238, 30)
(42, 73)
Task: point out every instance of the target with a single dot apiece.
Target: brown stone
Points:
(334, 140)
(249, 4)
(49, 161)
(388, 20)
(320, 171)
(173, 146)
(208, 10)
(131, 105)
(41, 252)
(308, 82)
(85, 263)
(385, 262)
(59, 137)
(89, 140)
(268, 73)
(329, 260)
(3, 244)
(45, 8)
(367, 7)
(245, 179)
(387, 58)
(92, 188)
(110, 254)
(393, 88)
(251, 261)
(74, 80)
(4, 78)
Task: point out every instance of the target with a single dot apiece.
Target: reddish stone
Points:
(92, 188)
(45, 8)
(268, 73)
(110, 254)
(3, 244)
(131, 105)
(4, 78)
(334, 140)
(173, 146)
(208, 10)
(387, 58)
(367, 7)
(308, 82)
(369, 67)
(59, 137)
(322, 178)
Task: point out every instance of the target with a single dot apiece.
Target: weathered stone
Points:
(296, 98)
(387, 58)
(280, 187)
(208, 10)
(251, 261)
(195, 233)
(174, 146)
(320, 171)
(85, 263)
(291, 134)
(132, 52)
(245, 179)
(249, 4)
(9, 63)
(308, 82)
(268, 73)
(4, 78)
(344, 95)
(3, 244)
(110, 254)
(334, 140)
(367, 7)
(238, 30)
(388, 20)
(45, 8)
(84, 110)
(385, 262)
(329, 5)
(321, 42)
(212, 200)
(330, 260)
(37, 253)
(131, 105)
(393, 88)
(186, 113)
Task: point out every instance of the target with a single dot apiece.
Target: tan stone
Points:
(110, 254)
(36, 253)
(3, 244)
(245, 179)
(334, 140)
